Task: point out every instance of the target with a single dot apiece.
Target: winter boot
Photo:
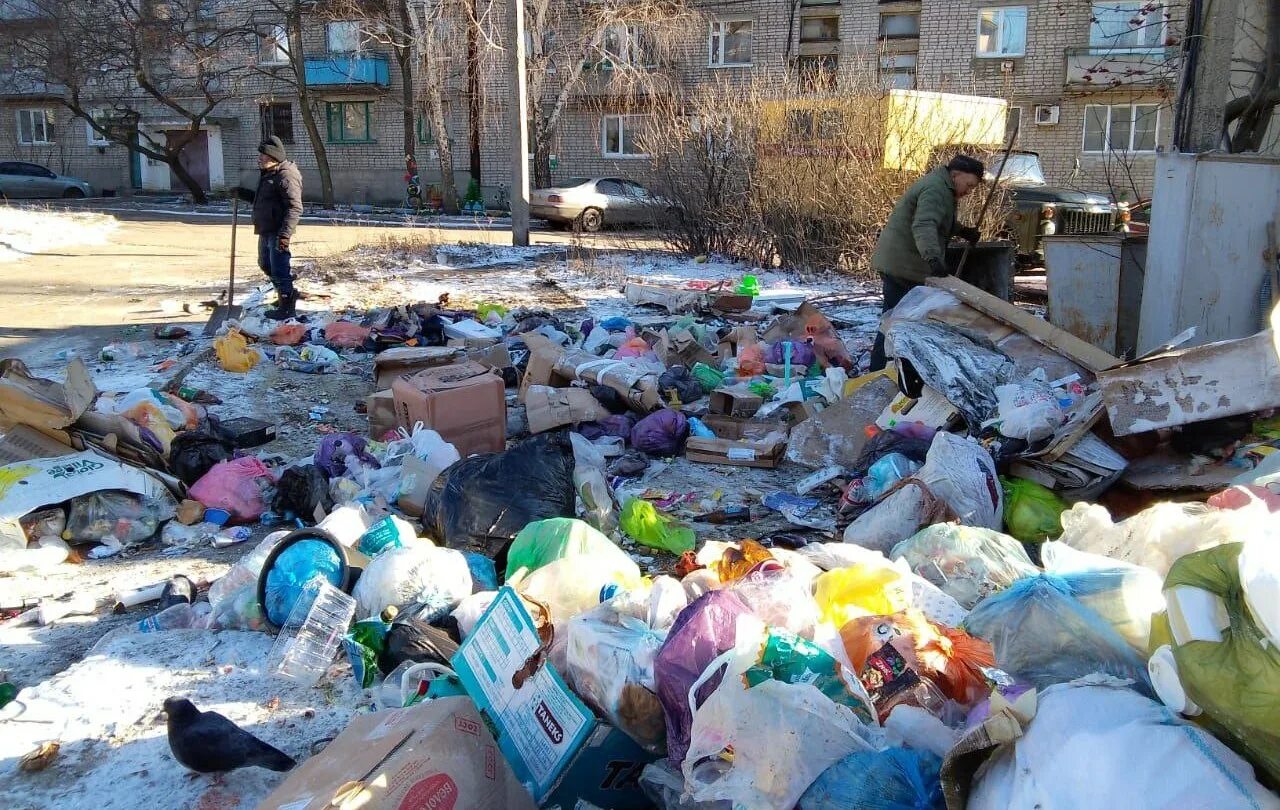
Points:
(287, 308)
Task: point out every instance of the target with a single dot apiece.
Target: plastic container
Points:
(309, 640)
(295, 561)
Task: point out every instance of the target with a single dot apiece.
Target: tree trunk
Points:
(404, 58)
(473, 91)
(308, 112)
(444, 149)
(541, 149)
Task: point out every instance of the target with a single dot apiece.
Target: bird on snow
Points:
(207, 742)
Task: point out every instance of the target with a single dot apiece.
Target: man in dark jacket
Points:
(913, 245)
(277, 205)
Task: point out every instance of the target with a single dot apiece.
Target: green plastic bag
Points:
(790, 658)
(545, 541)
(1236, 681)
(709, 378)
(1032, 513)
(645, 524)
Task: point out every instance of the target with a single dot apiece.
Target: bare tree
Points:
(1256, 66)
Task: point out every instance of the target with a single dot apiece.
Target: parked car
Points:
(19, 180)
(591, 204)
(1042, 210)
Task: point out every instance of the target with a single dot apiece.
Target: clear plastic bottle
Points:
(177, 617)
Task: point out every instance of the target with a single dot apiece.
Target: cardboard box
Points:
(548, 408)
(739, 443)
(734, 403)
(606, 772)
(407, 360)
(932, 410)
(550, 364)
(381, 410)
(438, 754)
(465, 403)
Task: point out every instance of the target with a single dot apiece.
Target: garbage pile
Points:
(928, 608)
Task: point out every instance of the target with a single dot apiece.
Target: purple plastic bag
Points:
(333, 450)
(702, 631)
(801, 353)
(661, 433)
(618, 425)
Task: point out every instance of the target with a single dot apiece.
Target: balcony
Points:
(1105, 68)
(348, 71)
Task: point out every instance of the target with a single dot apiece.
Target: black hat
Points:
(273, 148)
(969, 165)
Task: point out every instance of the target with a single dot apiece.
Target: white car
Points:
(591, 204)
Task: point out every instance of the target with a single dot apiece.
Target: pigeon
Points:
(207, 742)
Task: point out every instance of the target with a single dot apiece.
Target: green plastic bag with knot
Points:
(643, 522)
(1032, 513)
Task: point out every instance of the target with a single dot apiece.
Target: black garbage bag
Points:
(612, 401)
(301, 490)
(193, 453)
(416, 641)
(480, 503)
(886, 442)
(679, 378)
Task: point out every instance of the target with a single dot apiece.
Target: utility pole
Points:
(519, 128)
(1211, 41)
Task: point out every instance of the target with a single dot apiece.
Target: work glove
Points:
(282, 244)
(937, 269)
(970, 235)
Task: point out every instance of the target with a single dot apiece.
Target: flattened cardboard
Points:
(739, 443)
(381, 410)
(605, 772)
(45, 404)
(437, 754)
(674, 300)
(22, 443)
(549, 364)
(836, 435)
(548, 408)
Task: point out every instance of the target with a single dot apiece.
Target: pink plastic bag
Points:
(345, 334)
(750, 360)
(235, 486)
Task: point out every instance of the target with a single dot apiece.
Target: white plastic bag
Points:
(1096, 743)
(782, 736)
(961, 472)
(430, 580)
(1126, 595)
(595, 498)
(573, 585)
(610, 665)
(1028, 411)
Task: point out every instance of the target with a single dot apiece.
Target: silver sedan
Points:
(20, 180)
(594, 203)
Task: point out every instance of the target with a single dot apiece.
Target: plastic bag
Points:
(589, 481)
(485, 500)
(193, 453)
(233, 597)
(1042, 634)
(708, 378)
(864, 589)
(1095, 743)
(573, 585)
(610, 665)
(288, 334)
(302, 491)
(951, 658)
(892, 779)
(686, 387)
(545, 541)
(149, 417)
(346, 335)
(925, 596)
(1123, 594)
(619, 426)
(1160, 534)
(1031, 512)
(234, 354)
(750, 360)
(784, 656)
(114, 518)
(732, 561)
(702, 631)
(334, 451)
(661, 433)
(1028, 411)
(420, 579)
(43, 523)
(801, 353)
(310, 359)
(413, 640)
(781, 599)
(643, 522)
(236, 486)
(968, 563)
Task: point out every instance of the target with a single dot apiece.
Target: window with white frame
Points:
(1121, 127)
(1002, 31)
(345, 36)
(273, 45)
(730, 43)
(1127, 27)
(35, 127)
(900, 26)
(627, 45)
(93, 136)
(620, 134)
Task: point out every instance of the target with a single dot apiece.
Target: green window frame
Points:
(425, 136)
(344, 129)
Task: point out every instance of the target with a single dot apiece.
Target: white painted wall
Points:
(1205, 256)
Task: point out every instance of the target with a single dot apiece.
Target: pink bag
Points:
(235, 486)
(345, 334)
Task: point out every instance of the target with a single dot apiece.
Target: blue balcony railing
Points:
(344, 70)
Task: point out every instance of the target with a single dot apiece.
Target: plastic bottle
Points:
(178, 590)
(178, 617)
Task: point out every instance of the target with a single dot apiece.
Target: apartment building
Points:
(1089, 84)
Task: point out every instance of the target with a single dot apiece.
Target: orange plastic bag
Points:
(288, 334)
(948, 656)
(738, 561)
(750, 360)
(345, 334)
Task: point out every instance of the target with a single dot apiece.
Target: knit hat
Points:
(969, 165)
(273, 148)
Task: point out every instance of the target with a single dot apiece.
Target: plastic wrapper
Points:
(892, 779)
(589, 481)
(968, 563)
(1042, 634)
(194, 452)
(610, 665)
(661, 433)
(1028, 411)
(234, 354)
(870, 588)
(643, 522)
(545, 541)
(786, 657)
(1031, 512)
(236, 486)
(950, 658)
(114, 518)
(735, 560)
(44, 523)
(485, 500)
(1123, 594)
(421, 579)
(961, 365)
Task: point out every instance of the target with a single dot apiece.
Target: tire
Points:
(73, 194)
(591, 220)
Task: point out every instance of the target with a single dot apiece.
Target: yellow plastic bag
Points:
(148, 415)
(234, 353)
(860, 590)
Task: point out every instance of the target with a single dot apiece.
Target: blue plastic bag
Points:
(892, 779)
(1044, 635)
(293, 569)
(484, 574)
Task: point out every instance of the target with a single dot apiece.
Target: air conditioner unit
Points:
(1047, 115)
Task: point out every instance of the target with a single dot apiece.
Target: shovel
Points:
(228, 310)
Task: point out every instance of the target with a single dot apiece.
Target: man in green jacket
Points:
(913, 245)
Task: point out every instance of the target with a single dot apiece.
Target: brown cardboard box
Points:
(438, 754)
(739, 442)
(548, 408)
(465, 403)
(836, 435)
(549, 364)
(402, 360)
(381, 409)
(734, 403)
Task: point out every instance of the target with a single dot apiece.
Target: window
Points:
(348, 122)
(426, 136)
(277, 119)
(898, 71)
(618, 135)
(35, 127)
(806, 125)
(611, 188)
(730, 43)
(627, 45)
(817, 72)
(899, 26)
(1012, 123)
(346, 36)
(1127, 27)
(1002, 32)
(1121, 127)
(91, 135)
(820, 29)
(273, 45)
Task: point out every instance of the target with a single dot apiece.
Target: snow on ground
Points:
(25, 231)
